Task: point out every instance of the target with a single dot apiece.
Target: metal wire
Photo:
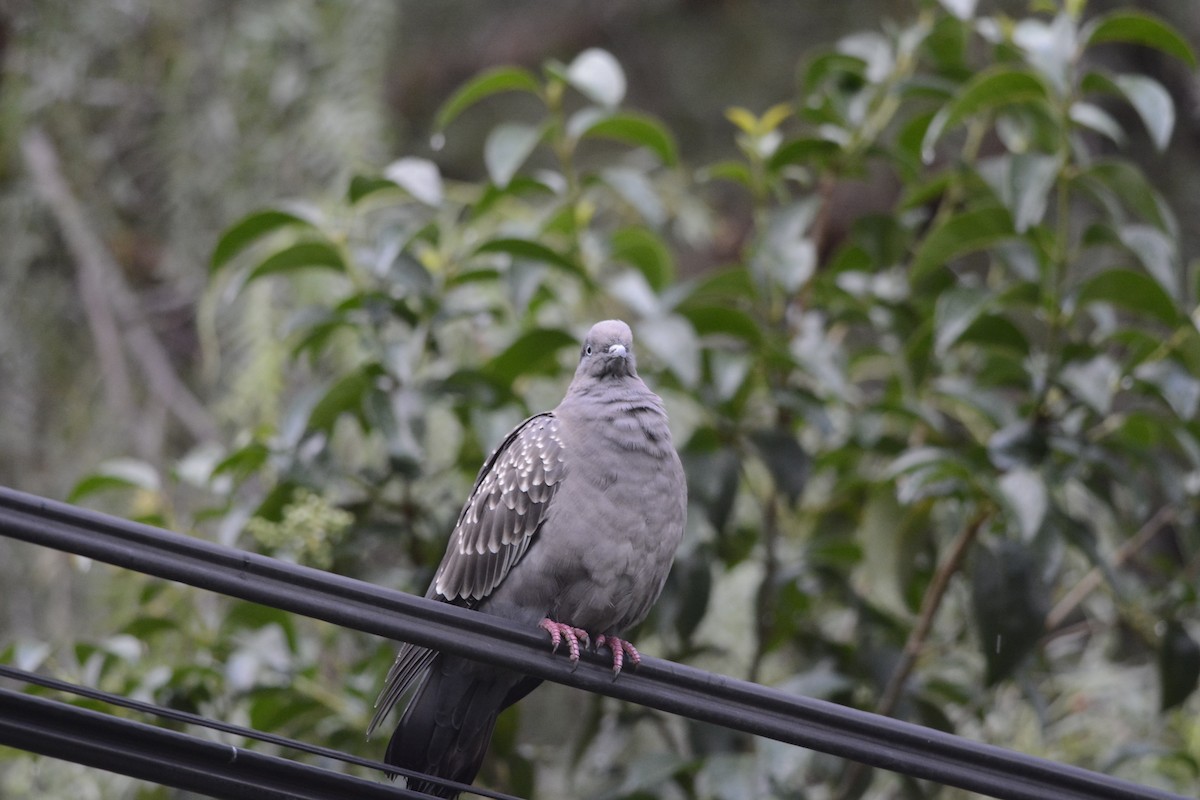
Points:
(170, 758)
(868, 738)
(189, 718)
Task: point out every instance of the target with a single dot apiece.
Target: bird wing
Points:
(495, 527)
(507, 507)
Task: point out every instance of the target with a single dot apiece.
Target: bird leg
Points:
(620, 648)
(559, 631)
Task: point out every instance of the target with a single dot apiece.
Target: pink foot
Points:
(559, 631)
(620, 648)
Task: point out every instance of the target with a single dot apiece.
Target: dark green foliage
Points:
(1010, 604)
(1004, 338)
(1178, 665)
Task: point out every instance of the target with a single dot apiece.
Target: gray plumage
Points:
(572, 524)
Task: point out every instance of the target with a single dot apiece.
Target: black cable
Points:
(868, 738)
(226, 727)
(170, 758)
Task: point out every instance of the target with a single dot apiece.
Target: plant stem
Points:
(1071, 600)
(930, 604)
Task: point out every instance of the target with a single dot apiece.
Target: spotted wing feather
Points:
(507, 507)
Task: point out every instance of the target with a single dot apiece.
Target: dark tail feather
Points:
(447, 726)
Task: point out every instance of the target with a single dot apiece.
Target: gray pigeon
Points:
(572, 527)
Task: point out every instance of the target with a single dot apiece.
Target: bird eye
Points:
(587, 351)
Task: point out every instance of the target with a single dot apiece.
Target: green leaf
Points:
(271, 709)
(243, 462)
(1156, 252)
(145, 628)
(733, 171)
(994, 88)
(1153, 104)
(1093, 381)
(531, 251)
(712, 472)
(250, 229)
(645, 250)
(743, 118)
(1010, 603)
(1132, 291)
(1022, 181)
(946, 44)
(723, 286)
(963, 9)
(954, 313)
(1094, 118)
(887, 556)
(673, 341)
(419, 177)
(961, 234)
(271, 508)
(1025, 495)
(637, 190)
(634, 129)
(917, 458)
(533, 352)
(785, 254)
(923, 191)
(366, 185)
(252, 616)
(713, 320)
(784, 458)
(117, 473)
(807, 151)
(1017, 444)
(302, 255)
(1142, 430)
(599, 76)
(508, 146)
(832, 68)
(689, 589)
(926, 472)
(1176, 385)
(1178, 665)
(995, 331)
(1137, 27)
(1124, 183)
(494, 81)
(343, 396)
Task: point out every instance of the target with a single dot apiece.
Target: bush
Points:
(930, 357)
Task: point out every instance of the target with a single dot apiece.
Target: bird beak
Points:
(617, 350)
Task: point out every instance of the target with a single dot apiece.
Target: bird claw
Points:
(620, 648)
(559, 631)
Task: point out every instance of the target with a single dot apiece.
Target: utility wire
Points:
(237, 730)
(739, 705)
(61, 730)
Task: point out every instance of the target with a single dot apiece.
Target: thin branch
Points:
(110, 304)
(87, 250)
(930, 604)
(1071, 600)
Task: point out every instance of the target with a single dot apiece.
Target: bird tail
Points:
(446, 728)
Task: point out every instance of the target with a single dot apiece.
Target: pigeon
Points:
(572, 526)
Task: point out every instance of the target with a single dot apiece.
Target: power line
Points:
(170, 758)
(189, 718)
(739, 705)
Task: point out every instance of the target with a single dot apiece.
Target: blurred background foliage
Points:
(917, 281)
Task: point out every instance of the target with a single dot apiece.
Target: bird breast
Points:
(612, 531)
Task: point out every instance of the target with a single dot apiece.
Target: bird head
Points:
(608, 351)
